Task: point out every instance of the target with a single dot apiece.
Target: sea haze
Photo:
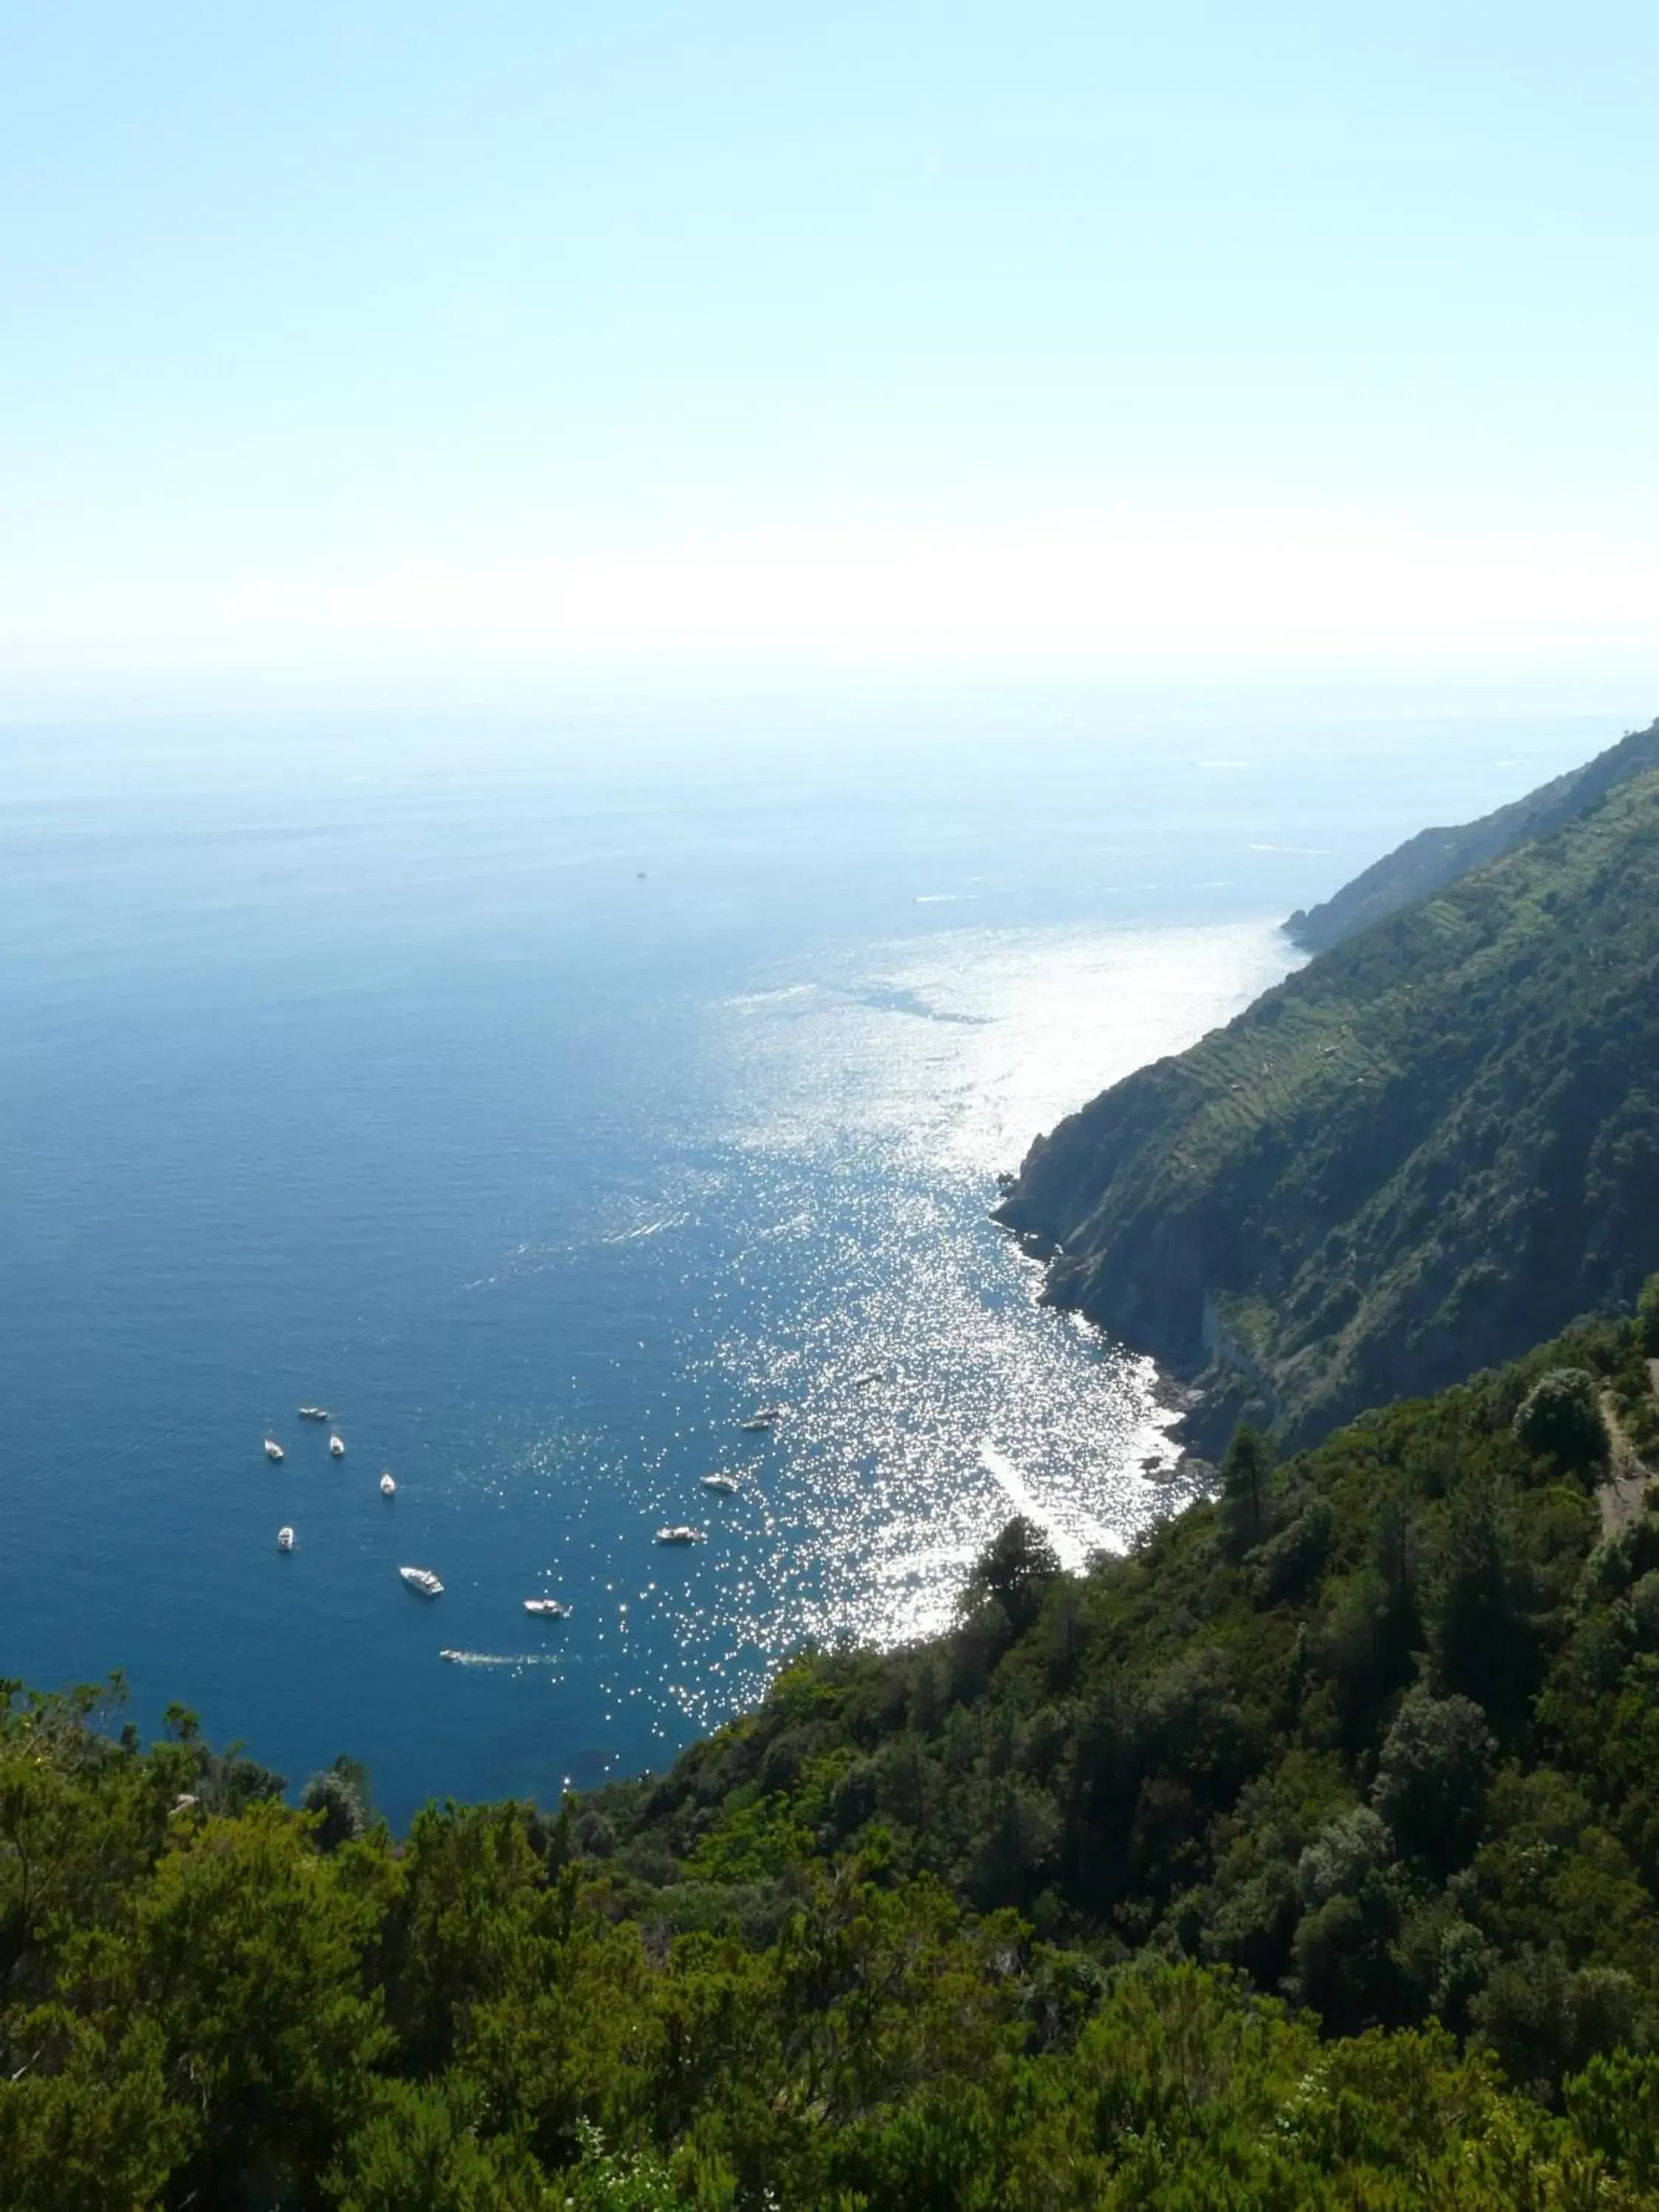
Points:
(544, 1098)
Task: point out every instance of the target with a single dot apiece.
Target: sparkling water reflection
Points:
(543, 1125)
(927, 1393)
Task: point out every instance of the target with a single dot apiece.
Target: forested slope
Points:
(1422, 1152)
(1434, 857)
(1379, 1728)
(1238, 1872)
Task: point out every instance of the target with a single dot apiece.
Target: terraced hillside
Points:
(1434, 857)
(1432, 1147)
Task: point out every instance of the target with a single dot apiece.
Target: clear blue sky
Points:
(378, 338)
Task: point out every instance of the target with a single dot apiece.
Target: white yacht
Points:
(273, 1449)
(313, 1412)
(422, 1579)
(546, 1608)
(726, 1483)
(682, 1536)
(336, 1448)
(764, 1417)
(388, 1487)
(870, 1375)
(285, 1539)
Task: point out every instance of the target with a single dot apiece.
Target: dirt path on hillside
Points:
(1620, 1495)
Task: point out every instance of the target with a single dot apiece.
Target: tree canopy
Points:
(1307, 1855)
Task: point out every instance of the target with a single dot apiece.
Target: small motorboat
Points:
(446, 1653)
(285, 1539)
(313, 1412)
(764, 1417)
(727, 1485)
(336, 1448)
(388, 1487)
(870, 1375)
(422, 1579)
(546, 1608)
(273, 1449)
(682, 1536)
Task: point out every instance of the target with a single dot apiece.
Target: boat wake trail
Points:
(500, 1658)
(1073, 1536)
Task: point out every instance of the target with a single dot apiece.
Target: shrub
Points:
(1644, 1611)
(1015, 1571)
(1246, 1469)
(1560, 1418)
(334, 1796)
(1343, 1853)
(1432, 1778)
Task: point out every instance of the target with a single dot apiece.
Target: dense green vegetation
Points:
(1434, 857)
(1308, 1856)
(1428, 1149)
(1377, 1729)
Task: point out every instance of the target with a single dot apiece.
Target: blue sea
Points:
(543, 1093)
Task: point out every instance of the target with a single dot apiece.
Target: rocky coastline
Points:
(1207, 1396)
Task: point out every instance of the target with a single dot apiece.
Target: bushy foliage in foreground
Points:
(1305, 1857)
(202, 2008)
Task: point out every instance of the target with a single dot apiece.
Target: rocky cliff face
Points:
(1430, 1147)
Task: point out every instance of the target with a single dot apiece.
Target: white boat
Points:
(546, 1608)
(682, 1536)
(273, 1449)
(313, 1412)
(285, 1539)
(764, 1417)
(726, 1483)
(388, 1487)
(422, 1579)
(336, 1448)
(870, 1375)
(452, 1654)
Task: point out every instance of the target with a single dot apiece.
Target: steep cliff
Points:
(1433, 1145)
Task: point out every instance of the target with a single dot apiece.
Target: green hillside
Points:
(1377, 1728)
(1434, 857)
(1428, 1149)
(1306, 1858)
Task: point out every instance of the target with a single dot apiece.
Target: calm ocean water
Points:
(542, 1098)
